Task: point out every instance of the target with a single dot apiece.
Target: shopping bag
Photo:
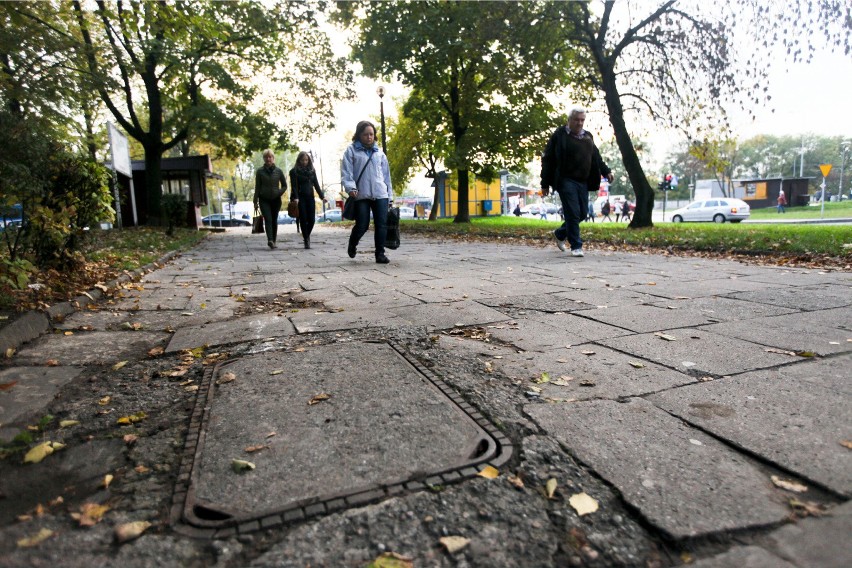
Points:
(349, 209)
(257, 224)
(293, 209)
(392, 238)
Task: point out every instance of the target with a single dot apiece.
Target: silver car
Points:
(718, 210)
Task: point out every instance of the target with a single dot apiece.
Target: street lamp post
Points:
(381, 92)
(844, 148)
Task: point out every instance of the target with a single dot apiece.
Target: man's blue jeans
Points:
(379, 208)
(575, 203)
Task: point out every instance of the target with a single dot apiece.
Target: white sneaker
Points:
(577, 252)
(559, 244)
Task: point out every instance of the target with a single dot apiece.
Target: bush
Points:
(174, 211)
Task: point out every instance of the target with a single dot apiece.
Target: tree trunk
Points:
(153, 183)
(463, 212)
(642, 216)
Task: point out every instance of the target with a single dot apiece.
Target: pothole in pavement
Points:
(326, 428)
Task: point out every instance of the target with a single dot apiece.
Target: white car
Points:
(406, 213)
(718, 210)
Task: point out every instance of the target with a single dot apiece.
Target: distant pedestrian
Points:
(517, 211)
(591, 214)
(269, 186)
(605, 209)
(572, 166)
(542, 212)
(616, 208)
(625, 212)
(782, 202)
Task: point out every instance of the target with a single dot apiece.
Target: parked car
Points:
(284, 219)
(718, 210)
(223, 220)
(406, 213)
(11, 217)
(330, 216)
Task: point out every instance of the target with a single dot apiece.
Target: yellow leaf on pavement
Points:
(391, 560)
(241, 466)
(68, 423)
(133, 418)
(129, 531)
(255, 448)
(317, 398)
(636, 364)
(119, 365)
(788, 485)
(90, 514)
(105, 400)
(41, 451)
(30, 541)
(454, 543)
(846, 444)
(10, 352)
(550, 487)
(155, 351)
(489, 472)
(583, 503)
(276, 372)
(516, 481)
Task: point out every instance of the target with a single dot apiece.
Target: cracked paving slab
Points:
(90, 347)
(785, 420)
(684, 482)
(246, 328)
(698, 351)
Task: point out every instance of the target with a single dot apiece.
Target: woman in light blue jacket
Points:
(365, 176)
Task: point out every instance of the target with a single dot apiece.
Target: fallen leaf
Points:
(583, 503)
(255, 448)
(299, 349)
(68, 333)
(317, 398)
(636, 364)
(271, 434)
(516, 481)
(666, 337)
(788, 485)
(807, 508)
(130, 439)
(454, 544)
(90, 514)
(781, 351)
(587, 383)
(10, 352)
(391, 560)
(687, 363)
(276, 372)
(846, 444)
(562, 381)
(550, 487)
(7, 386)
(52, 363)
(587, 352)
(155, 351)
(806, 354)
(130, 531)
(193, 388)
(141, 468)
(68, 423)
(489, 472)
(41, 451)
(226, 378)
(241, 466)
(34, 540)
(133, 418)
(545, 377)
(104, 401)
(107, 480)
(119, 365)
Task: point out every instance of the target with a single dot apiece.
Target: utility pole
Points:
(844, 147)
(802, 159)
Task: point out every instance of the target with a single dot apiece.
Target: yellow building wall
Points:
(479, 192)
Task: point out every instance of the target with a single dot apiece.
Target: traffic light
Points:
(232, 199)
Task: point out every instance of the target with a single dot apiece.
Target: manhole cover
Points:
(326, 428)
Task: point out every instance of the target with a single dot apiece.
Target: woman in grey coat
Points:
(269, 186)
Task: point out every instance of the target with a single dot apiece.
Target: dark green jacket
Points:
(268, 184)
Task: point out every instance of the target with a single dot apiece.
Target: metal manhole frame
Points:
(184, 521)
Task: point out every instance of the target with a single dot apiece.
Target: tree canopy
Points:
(480, 75)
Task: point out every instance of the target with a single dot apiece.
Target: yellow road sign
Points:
(825, 168)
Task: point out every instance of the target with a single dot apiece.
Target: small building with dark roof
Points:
(763, 192)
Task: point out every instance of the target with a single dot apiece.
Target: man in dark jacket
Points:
(572, 166)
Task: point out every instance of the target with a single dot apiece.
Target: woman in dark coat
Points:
(303, 182)
(269, 186)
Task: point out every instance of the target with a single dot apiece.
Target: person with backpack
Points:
(782, 201)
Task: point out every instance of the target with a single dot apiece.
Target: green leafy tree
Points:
(480, 75)
(180, 72)
(674, 61)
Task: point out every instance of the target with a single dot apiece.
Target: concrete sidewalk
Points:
(638, 410)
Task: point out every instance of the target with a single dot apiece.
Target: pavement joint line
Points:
(183, 515)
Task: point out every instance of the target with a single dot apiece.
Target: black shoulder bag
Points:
(349, 205)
